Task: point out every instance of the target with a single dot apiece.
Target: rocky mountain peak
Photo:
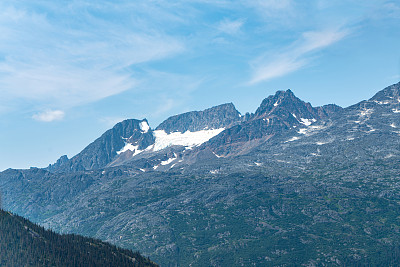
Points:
(273, 101)
(212, 118)
(128, 127)
(105, 148)
(285, 104)
(276, 114)
(390, 94)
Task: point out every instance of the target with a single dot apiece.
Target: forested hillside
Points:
(23, 243)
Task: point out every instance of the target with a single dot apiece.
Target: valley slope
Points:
(26, 244)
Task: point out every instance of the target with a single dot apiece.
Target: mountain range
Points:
(287, 184)
(221, 129)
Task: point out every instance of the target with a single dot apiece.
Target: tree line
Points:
(23, 243)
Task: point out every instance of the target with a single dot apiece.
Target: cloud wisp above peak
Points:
(62, 57)
(53, 60)
(295, 56)
(49, 116)
(231, 27)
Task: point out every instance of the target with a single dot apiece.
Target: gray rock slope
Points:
(213, 118)
(104, 149)
(276, 114)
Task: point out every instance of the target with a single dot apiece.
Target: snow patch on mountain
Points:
(130, 147)
(294, 138)
(168, 161)
(218, 156)
(317, 154)
(366, 112)
(302, 131)
(307, 122)
(371, 129)
(144, 126)
(324, 142)
(382, 102)
(188, 139)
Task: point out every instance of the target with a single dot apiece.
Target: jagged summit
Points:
(212, 118)
(276, 114)
(285, 105)
(103, 150)
(220, 128)
(272, 102)
(390, 94)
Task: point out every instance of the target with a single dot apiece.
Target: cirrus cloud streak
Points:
(59, 63)
(295, 56)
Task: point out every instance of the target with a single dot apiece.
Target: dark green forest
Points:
(23, 243)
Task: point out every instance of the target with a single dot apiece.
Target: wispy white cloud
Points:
(61, 63)
(277, 12)
(278, 67)
(59, 85)
(392, 9)
(315, 40)
(231, 27)
(49, 115)
(58, 58)
(295, 56)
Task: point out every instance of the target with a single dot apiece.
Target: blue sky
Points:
(69, 70)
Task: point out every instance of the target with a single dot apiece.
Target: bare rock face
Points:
(104, 149)
(276, 114)
(390, 94)
(221, 116)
